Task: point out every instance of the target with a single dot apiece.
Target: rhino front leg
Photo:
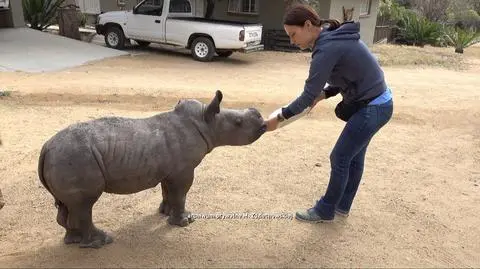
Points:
(177, 189)
(165, 206)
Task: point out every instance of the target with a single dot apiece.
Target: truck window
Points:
(151, 7)
(180, 6)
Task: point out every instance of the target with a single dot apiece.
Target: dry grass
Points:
(473, 51)
(398, 55)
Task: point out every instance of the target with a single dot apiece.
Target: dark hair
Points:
(298, 14)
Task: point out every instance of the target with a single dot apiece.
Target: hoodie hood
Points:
(346, 31)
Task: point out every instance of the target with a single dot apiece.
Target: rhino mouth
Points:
(263, 128)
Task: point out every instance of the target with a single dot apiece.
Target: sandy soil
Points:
(417, 206)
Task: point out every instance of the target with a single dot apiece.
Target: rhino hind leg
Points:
(77, 182)
(72, 236)
(176, 190)
(80, 222)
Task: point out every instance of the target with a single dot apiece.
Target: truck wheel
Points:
(114, 38)
(203, 49)
(225, 54)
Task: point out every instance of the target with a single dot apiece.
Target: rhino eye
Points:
(238, 122)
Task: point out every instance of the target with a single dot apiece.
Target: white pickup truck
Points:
(172, 22)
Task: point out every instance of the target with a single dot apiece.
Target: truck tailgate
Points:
(253, 34)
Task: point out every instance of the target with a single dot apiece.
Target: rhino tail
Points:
(41, 161)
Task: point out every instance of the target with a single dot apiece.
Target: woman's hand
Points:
(272, 124)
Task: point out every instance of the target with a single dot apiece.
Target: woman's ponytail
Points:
(333, 24)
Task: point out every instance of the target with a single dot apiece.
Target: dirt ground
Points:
(418, 205)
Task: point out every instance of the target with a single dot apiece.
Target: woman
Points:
(340, 58)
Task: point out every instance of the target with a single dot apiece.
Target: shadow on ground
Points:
(151, 242)
(182, 53)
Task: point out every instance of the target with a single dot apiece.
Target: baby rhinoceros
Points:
(125, 155)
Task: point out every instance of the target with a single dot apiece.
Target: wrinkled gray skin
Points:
(125, 155)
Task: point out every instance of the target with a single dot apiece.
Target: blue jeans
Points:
(348, 156)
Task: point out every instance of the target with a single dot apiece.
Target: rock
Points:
(4, 93)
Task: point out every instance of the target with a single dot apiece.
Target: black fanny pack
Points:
(345, 111)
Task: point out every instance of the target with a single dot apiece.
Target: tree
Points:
(434, 10)
(315, 4)
(389, 12)
(475, 5)
(290, 3)
(463, 13)
(69, 21)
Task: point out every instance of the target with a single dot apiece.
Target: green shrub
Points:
(461, 38)
(40, 13)
(417, 30)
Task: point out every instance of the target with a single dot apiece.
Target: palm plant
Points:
(418, 30)
(461, 38)
(40, 13)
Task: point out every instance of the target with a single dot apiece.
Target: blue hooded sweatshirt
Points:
(340, 58)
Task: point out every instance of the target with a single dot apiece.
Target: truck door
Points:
(146, 22)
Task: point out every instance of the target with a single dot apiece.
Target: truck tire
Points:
(114, 38)
(225, 53)
(203, 49)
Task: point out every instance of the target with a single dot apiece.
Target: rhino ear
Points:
(214, 107)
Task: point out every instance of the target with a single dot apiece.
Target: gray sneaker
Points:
(311, 216)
